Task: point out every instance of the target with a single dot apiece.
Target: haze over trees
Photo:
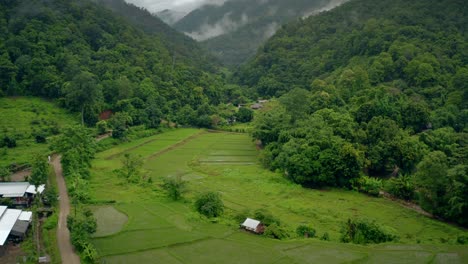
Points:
(234, 30)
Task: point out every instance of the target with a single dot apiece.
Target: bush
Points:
(101, 127)
(40, 138)
(361, 231)
(174, 186)
(325, 237)
(51, 222)
(275, 231)
(244, 115)
(462, 239)
(266, 217)
(305, 230)
(400, 187)
(209, 204)
(9, 142)
(368, 185)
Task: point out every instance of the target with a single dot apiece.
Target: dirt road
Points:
(67, 253)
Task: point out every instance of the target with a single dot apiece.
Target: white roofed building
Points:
(253, 225)
(20, 193)
(14, 224)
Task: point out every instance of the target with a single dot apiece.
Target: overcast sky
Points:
(178, 5)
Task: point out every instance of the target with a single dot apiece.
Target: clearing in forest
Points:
(172, 232)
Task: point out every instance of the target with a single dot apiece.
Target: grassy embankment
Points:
(151, 227)
(24, 117)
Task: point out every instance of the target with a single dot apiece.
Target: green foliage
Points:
(4, 174)
(266, 217)
(361, 231)
(174, 186)
(401, 187)
(305, 231)
(6, 202)
(369, 185)
(276, 231)
(51, 222)
(81, 227)
(140, 67)
(8, 141)
(39, 171)
(77, 147)
(102, 127)
(244, 115)
(325, 237)
(209, 204)
(131, 168)
(50, 196)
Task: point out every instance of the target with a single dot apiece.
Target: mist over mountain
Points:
(233, 31)
(170, 17)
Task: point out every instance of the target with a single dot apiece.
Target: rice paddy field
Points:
(137, 223)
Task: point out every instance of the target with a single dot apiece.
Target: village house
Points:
(14, 224)
(253, 226)
(21, 194)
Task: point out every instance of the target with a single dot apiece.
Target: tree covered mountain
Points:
(371, 88)
(92, 59)
(180, 46)
(233, 31)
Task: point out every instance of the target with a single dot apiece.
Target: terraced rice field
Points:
(158, 230)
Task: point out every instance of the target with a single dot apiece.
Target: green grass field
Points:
(21, 117)
(162, 231)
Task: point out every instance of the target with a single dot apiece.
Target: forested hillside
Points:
(233, 31)
(180, 46)
(371, 88)
(91, 60)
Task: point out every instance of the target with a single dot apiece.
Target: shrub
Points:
(241, 216)
(325, 237)
(174, 186)
(51, 222)
(361, 231)
(462, 239)
(305, 230)
(400, 187)
(9, 142)
(275, 231)
(40, 138)
(209, 204)
(368, 185)
(266, 217)
(101, 127)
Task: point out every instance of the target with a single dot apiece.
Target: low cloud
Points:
(176, 5)
(223, 26)
(332, 4)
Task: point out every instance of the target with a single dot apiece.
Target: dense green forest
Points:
(91, 59)
(234, 31)
(371, 88)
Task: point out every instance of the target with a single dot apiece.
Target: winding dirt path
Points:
(67, 253)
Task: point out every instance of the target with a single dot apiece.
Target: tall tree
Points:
(83, 92)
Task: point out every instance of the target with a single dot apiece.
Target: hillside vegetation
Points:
(234, 31)
(92, 59)
(377, 88)
(29, 122)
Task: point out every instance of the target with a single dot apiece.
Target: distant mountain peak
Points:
(169, 16)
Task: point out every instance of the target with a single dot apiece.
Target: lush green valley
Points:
(347, 129)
